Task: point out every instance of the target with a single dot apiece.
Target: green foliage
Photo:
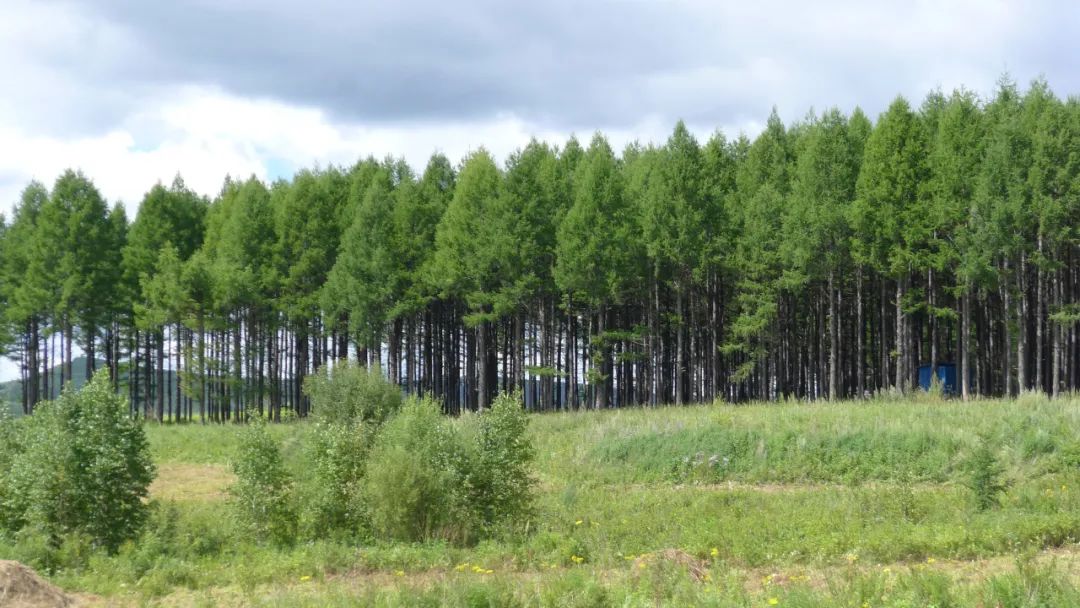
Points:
(429, 477)
(985, 475)
(12, 495)
(348, 393)
(886, 219)
(83, 467)
(262, 496)
(332, 498)
(469, 246)
(1032, 584)
(596, 254)
(637, 539)
(500, 478)
(412, 485)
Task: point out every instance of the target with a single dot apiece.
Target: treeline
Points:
(825, 259)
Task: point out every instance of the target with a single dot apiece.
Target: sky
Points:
(134, 92)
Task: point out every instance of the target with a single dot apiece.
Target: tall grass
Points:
(840, 491)
(883, 440)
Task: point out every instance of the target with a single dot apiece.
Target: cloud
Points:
(560, 64)
(133, 92)
(205, 134)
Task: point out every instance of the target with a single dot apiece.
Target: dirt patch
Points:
(21, 587)
(183, 481)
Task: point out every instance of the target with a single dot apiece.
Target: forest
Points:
(824, 259)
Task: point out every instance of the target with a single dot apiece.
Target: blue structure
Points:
(946, 374)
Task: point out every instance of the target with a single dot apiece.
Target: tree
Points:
(308, 235)
(467, 260)
(955, 154)
(887, 216)
(816, 229)
(26, 295)
(597, 261)
(672, 221)
(365, 276)
(762, 182)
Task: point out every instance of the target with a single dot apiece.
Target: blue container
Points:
(946, 374)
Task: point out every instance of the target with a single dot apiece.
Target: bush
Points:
(413, 482)
(83, 468)
(337, 454)
(499, 480)
(350, 402)
(262, 493)
(12, 497)
(429, 477)
(348, 393)
(985, 475)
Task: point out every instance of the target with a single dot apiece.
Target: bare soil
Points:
(21, 587)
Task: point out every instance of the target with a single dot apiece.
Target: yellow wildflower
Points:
(931, 560)
(461, 567)
(577, 559)
(305, 578)
(714, 552)
(773, 601)
(578, 522)
(399, 572)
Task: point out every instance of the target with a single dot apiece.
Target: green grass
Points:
(842, 503)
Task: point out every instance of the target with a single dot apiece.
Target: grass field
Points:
(850, 504)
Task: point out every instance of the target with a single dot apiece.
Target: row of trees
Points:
(828, 258)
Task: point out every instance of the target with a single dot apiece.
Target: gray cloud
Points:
(560, 64)
(413, 61)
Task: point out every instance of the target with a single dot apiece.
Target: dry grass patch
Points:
(21, 587)
(191, 482)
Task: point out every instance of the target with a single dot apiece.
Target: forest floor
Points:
(848, 504)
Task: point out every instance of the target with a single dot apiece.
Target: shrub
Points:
(350, 402)
(413, 483)
(12, 497)
(348, 392)
(262, 493)
(985, 475)
(429, 477)
(499, 472)
(84, 468)
(337, 454)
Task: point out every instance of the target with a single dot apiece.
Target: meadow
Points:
(828, 504)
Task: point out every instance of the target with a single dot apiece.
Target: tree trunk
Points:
(33, 378)
(159, 378)
(834, 340)
(901, 351)
(964, 342)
